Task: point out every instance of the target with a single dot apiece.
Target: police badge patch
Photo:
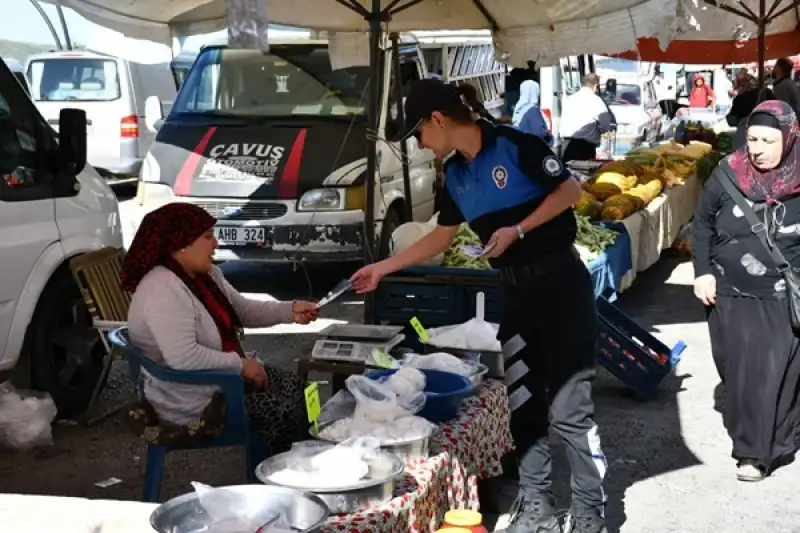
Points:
(552, 166)
(500, 176)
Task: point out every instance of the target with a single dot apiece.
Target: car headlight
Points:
(321, 200)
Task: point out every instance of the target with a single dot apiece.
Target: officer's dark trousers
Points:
(549, 336)
(578, 150)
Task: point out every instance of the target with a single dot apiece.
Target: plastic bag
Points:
(377, 402)
(401, 429)
(325, 466)
(475, 334)
(409, 233)
(406, 383)
(341, 405)
(25, 418)
(441, 361)
(231, 512)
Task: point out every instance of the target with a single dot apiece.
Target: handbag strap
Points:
(756, 225)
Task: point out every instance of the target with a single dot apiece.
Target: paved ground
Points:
(669, 465)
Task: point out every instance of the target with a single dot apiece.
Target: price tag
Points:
(423, 335)
(382, 359)
(313, 407)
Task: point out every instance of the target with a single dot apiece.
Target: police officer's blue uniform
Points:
(549, 327)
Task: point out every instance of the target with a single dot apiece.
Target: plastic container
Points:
(444, 392)
(464, 518)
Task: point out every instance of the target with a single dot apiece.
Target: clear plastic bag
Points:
(341, 405)
(441, 361)
(326, 466)
(403, 429)
(25, 418)
(378, 402)
(231, 512)
(475, 334)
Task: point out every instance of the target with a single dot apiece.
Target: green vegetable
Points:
(707, 164)
(455, 258)
(594, 238)
(724, 142)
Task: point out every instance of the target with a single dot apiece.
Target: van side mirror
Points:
(153, 113)
(611, 89)
(72, 140)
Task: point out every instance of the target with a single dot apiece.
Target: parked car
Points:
(632, 100)
(18, 70)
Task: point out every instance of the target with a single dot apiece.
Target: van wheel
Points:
(390, 223)
(66, 353)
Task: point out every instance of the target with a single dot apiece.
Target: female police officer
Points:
(517, 196)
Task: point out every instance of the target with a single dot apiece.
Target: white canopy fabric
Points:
(539, 30)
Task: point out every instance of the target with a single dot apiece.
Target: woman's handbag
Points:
(784, 268)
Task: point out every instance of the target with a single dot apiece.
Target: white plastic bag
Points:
(475, 334)
(233, 513)
(341, 405)
(442, 361)
(323, 466)
(377, 402)
(401, 429)
(25, 418)
(409, 233)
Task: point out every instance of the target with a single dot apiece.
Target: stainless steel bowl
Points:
(376, 488)
(184, 514)
(407, 449)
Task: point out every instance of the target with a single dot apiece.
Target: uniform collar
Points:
(488, 141)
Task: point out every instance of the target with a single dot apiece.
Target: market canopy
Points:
(539, 30)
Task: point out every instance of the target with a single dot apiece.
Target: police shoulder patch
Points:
(552, 166)
(500, 176)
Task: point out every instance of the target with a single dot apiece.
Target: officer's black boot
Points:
(534, 514)
(585, 519)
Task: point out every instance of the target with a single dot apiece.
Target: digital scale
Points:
(354, 343)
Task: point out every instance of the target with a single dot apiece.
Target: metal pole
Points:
(762, 41)
(63, 20)
(375, 85)
(47, 21)
(397, 88)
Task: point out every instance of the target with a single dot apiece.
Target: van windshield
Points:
(627, 94)
(81, 79)
(291, 80)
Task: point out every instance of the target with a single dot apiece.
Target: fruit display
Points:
(588, 206)
(707, 164)
(687, 132)
(724, 142)
(621, 206)
(592, 239)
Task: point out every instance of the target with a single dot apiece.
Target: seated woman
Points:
(186, 316)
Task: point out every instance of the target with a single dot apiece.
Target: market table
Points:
(655, 228)
(466, 450)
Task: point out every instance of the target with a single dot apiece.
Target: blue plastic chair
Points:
(237, 431)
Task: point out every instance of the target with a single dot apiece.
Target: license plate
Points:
(239, 235)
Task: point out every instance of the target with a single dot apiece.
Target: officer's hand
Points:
(367, 279)
(500, 241)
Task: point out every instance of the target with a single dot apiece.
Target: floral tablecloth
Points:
(468, 448)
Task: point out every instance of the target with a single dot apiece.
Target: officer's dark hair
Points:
(590, 80)
(471, 105)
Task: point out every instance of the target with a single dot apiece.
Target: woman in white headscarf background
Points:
(527, 114)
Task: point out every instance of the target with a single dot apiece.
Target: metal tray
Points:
(375, 489)
(407, 450)
(361, 332)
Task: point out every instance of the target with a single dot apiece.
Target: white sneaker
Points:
(749, 472)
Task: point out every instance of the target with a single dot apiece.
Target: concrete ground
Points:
(669, 464)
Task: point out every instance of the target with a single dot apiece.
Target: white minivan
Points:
(18, 70)
(112, 91)
(53, 207)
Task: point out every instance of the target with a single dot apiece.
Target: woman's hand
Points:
(368, 277)
(304, 312)
(705, 288)
(254, 373)
(501, 240)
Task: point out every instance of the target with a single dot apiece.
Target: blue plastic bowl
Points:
(444, 392)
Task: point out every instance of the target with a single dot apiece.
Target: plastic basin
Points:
(444, 393)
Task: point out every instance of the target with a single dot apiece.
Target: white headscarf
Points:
(528, 98)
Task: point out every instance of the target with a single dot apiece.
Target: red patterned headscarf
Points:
(162, 232)
(781, 181)
(167, 230)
